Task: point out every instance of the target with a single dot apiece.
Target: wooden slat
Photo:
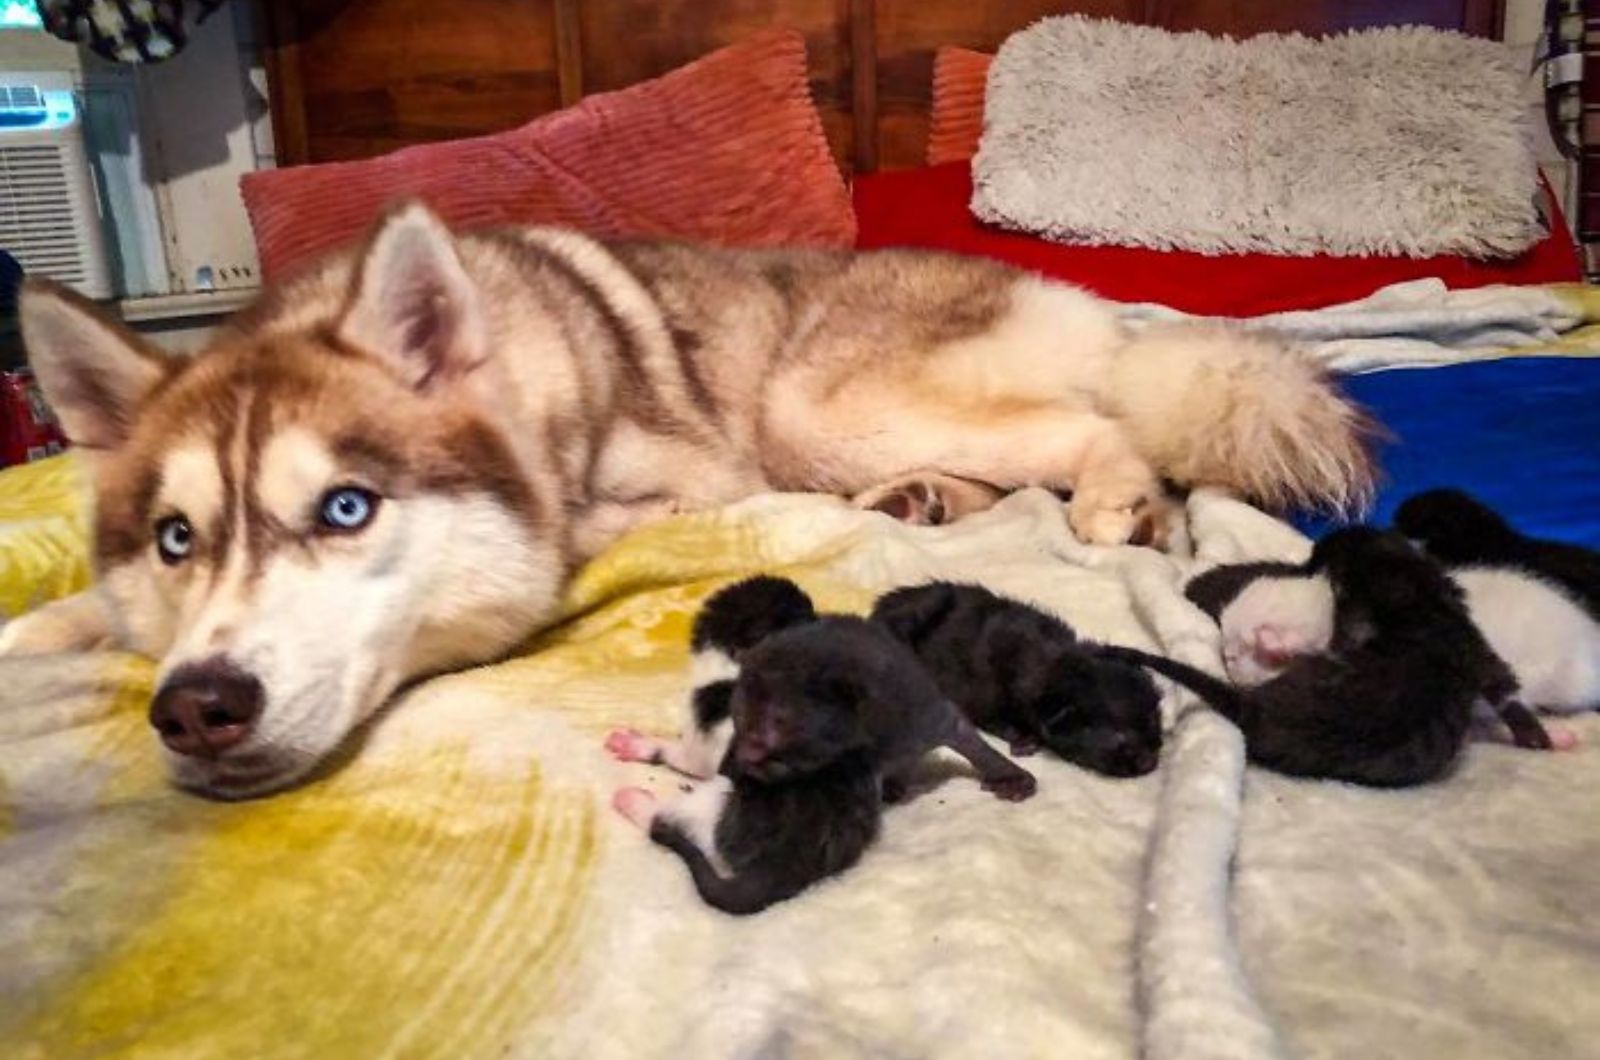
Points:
(628, 41)
(569, 51)
(1589, 218)
(381, 74)
(1484, 18)
(285, 85)
(909, 31)
(1243, 18)
(864, 83)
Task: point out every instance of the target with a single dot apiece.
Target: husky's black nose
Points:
(205, 708)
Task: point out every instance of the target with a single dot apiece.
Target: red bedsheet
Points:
(928, 208)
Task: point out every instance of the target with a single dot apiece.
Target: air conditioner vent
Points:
(21, 97)
(49, 216)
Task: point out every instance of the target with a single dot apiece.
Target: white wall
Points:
(198, 114)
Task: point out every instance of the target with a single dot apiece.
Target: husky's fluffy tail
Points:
(1210, 405)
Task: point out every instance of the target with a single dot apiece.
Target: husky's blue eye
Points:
(348, 508)
(174, 539)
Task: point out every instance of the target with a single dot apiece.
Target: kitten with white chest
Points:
(732, 621)
(1537, 601)
(1550, 643)
(1390, 701)
(825, 715)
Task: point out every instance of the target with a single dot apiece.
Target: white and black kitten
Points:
(732, 621)
(1024, 675)
(1390, 700)
(1270, 613)
(825, 713)
(1462, 532)
(1537, 602)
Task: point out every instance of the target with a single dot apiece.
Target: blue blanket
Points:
(1521, 434)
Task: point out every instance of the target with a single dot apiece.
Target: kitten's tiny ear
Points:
(413, 304)
(94, 371)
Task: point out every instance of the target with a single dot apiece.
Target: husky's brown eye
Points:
(174, 540)
(348, 508)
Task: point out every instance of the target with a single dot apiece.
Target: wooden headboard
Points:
(354, 78)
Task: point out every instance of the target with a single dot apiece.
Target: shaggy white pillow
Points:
(1388, 141)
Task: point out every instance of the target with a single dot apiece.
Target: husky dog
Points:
(391, 464)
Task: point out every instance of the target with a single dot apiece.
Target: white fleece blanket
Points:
(461, 887)
(1400, 140)
(1423, 323)
(1099, 918)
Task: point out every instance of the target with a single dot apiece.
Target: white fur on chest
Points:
(700, 751)
(710, 665)
(1550, 643)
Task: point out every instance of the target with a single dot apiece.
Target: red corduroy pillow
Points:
(728, 149)
(955, 122)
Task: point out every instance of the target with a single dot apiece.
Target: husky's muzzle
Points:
(205, 714)
(204, 709)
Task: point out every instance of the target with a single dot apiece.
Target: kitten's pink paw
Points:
(631, 745)
(1562, 739)
(636, 804)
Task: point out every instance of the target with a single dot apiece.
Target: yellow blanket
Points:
(458, 886)
(44, 528)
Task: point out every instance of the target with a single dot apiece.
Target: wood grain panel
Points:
(285, 85)
(909, 31)
(1245, 17)
(627, 41)
(864, 83)
(569, 52)
(379, 74)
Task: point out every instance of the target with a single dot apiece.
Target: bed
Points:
(459, 887)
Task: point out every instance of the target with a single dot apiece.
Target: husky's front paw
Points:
(1100, 519)
(30, 634)
(76, 623)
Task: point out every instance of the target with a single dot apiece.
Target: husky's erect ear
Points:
(412, 302)
(94, 372)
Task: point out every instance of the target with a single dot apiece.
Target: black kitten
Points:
(823, 714)
(1390, 702)
(1462, 531)
(1023, 675)
(731, 622)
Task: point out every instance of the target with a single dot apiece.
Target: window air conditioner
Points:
(49, 212)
